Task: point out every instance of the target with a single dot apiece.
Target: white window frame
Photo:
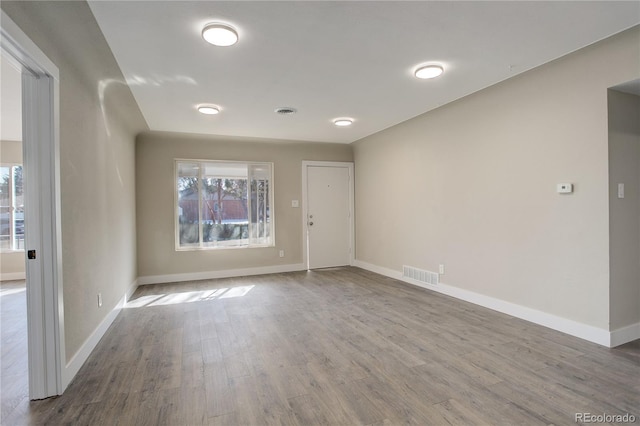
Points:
(222, 246)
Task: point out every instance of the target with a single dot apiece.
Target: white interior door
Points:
(41, 159)
(329, 229)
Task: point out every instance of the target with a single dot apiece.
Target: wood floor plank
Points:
(308, 411)
(224, 420)
(457, 413)
(399, 406)
(220, 395)
(211, 351)
(593, 387)
(192, 371)
(537, 404)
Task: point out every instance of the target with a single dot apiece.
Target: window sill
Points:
(215, 248)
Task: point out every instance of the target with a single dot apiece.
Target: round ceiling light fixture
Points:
(429, 71)
(343, 122)
(286, 111)
(218, 34)
(209, 109)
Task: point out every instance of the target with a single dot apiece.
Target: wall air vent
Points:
(286, 111)
(420, 275)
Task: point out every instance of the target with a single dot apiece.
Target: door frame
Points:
(305, 198)
(43, 229)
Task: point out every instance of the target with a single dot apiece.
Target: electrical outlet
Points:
(99, 300)
(441, 269)
(281, 253)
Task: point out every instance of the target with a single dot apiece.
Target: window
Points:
(222, 204)
(11, 208)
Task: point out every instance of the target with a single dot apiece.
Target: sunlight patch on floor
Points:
(188, 297)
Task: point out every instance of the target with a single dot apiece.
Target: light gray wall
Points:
(99, 119)
(155, 154)
(11, 101)
(11, 262)
(472, 185)
(624, 167)
(10, 152)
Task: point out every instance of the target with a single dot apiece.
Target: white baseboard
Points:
(625, 335)
(391, 273)
(227, 273)
(564, 325)
(80, 357)
(132, 289)
(13, 276)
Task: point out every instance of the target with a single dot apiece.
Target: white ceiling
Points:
(10, 101)
(334, 59)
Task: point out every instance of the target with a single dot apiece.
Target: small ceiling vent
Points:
(286, 111)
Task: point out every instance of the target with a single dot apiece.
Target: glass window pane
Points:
(224, 170)
(224, 210)
(188, 220)
(18, 212)
(5, 226)
(260, 204)
(5, 208)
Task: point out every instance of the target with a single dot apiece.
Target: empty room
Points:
(320, 212)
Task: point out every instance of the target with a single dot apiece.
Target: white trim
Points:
(305, 234)
(564, 325)
(625, 335)
(13, 276)
(29, 53)
(391, 273)
(80, 357)
(132, 289)
(227, 273)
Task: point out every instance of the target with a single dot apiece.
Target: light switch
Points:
(565, 188)
(295, 203)
(621, 190)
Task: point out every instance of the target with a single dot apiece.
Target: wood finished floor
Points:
(340, 346)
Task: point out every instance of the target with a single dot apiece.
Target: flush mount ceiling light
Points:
(286, 111)
(209, 109)
(343, 122)
(218, 34)
(429, 71)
